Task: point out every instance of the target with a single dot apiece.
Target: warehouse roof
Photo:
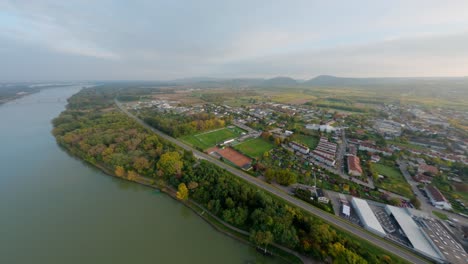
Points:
(368, 216)
(412, 231)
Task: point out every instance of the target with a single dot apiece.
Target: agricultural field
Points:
(310, 141)
(254, 148)
(394, 180)
(211, 138)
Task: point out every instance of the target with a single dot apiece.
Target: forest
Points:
(178, 125)
(92, 129)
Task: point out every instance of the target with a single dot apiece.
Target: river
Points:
(56, 209)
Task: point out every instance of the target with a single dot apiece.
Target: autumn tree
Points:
(192, 185)
(131, 175)
(261, 238)
(277, 141)
(170, 164)
(120, 171)
(182, 192)
(141, 164)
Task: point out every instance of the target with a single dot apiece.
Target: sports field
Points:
(232, 156)
(254, 148)
(211, 138)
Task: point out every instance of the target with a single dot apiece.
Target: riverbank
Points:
(219, 225)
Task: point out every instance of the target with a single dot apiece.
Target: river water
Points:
(56, 209)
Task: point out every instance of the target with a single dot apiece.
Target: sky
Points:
(163, 40)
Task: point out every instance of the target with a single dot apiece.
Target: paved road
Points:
(303, 205)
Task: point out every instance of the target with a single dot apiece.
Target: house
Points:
(437, 199)
(422, 178)
(354, 166)
(299, 147)
(375, 158)
(428, 168)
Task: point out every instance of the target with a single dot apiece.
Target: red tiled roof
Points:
(429, 168)
(353, 164)
(436, 194)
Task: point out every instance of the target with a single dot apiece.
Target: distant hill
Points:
(280, 82)
(441, 82)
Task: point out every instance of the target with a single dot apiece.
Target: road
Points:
(331, 219)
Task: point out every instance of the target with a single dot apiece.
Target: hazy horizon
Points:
(164, 40)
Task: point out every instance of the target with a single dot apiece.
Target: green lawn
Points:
(394, 180)
(254, 148)
(440, 215)
(211, 138)
(310, 141)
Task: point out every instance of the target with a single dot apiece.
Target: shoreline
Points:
(213, 221)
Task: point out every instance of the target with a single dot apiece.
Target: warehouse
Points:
(367, 217)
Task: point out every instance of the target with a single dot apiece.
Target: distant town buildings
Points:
(325, 128)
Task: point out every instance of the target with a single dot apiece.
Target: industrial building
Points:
(367, 217)
(426, 236)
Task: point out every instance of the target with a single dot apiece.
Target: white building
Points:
(367, 216)
(299, 147)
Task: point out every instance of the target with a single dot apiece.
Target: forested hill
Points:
(94, 130)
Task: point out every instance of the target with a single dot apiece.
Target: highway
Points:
(331, 219)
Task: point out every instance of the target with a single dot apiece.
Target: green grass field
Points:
(440, 215)
(310, 141)
(211, 138)
(254, 148)
(394, 181)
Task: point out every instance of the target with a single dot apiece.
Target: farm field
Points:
(394, 181)
(211, 138)
(254, 148)
(310, 141)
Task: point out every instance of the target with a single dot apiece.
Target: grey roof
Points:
(368, 217)
(412, 231)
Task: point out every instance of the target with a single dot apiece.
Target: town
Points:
(399, 171)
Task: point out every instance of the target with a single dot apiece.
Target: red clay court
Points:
(233, 156)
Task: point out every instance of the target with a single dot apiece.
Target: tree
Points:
(262, 239)
(170, 164)
(277, 141)
(415, 201)
(394, 201)
(141, 164)
(269, 175)
(131, 175)
(192, 185)
(120, 171)
(182, 192)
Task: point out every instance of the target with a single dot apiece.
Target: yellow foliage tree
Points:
(131, 175)
(182, 192)
(120, 171)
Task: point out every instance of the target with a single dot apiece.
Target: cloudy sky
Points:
(154, 39)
